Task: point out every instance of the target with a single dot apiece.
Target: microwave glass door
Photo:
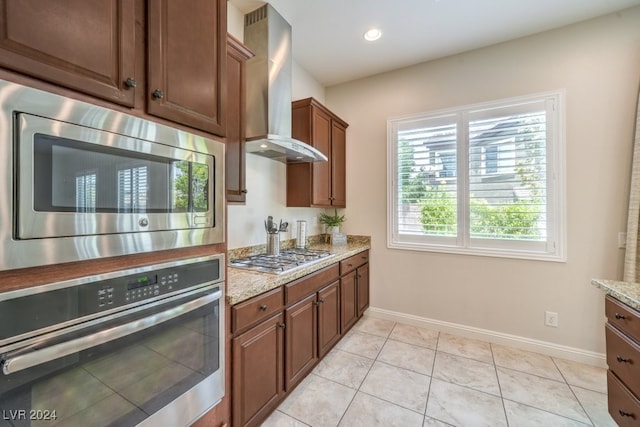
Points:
(86, 181)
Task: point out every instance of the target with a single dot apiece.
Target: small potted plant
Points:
(333, 222)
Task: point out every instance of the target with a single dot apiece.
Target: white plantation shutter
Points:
(86, 192)
(427, 167)
(480, 179)
(132, 189)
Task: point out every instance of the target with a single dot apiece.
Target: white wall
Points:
(266, 179)
(598, 63)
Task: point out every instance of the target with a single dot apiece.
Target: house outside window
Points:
(482, 179)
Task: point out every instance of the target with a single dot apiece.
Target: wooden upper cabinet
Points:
(85, 45)
(237, 55)
(187, 62)
(320, 184)
(338, 163)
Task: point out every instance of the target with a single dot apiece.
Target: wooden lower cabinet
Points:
(301, 340)
(354, 289)
(258, 366)
(272, 356)
(362, 278)
(329, 331)
(349, 299)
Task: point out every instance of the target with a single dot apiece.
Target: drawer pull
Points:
(622, 359)
(620, 316)
(350, 265)
(625, 413)
(263, 307)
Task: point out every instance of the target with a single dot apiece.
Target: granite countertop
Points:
(244, 284)
(626, 292)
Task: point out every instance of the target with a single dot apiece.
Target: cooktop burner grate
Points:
(286, 261)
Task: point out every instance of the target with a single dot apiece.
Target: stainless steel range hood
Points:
(269, 78)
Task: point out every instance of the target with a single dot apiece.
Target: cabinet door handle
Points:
(130, 82)
(157, 94)
(282, 325)
(263, 307)
(245, 191)
(620, 316)
(622, 359)
(625, 413)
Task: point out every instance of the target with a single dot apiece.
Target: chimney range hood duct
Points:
(268, 119)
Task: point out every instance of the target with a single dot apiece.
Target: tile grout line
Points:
(368, 371)
(433, 367)
(495, 370)
(573, 392)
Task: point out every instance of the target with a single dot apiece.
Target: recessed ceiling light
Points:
(372, 35)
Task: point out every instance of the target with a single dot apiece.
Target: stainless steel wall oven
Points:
(143, 346)
(84, 182)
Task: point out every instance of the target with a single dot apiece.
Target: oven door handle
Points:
(19, 362)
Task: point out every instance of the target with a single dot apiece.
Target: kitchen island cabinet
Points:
(622, 331)
(623, 359)
(318, 184)
(280, 335)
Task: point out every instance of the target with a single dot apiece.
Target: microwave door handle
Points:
(19, 362)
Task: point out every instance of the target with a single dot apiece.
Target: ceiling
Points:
(328, 34)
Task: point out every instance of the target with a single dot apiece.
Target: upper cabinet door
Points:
(235, 181)
(338, 164)
(187, 62)
(321, 140)
(85, 45)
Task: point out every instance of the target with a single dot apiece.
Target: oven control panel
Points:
(146, 285)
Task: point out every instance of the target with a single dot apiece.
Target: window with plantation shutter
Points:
(484, 179)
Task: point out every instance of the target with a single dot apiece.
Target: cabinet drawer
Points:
(353, 262)
(309, 284)
(623, 358)
(623, 406)
(257, 308)
(623, 317)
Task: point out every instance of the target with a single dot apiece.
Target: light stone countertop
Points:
(626, 292)
(244, 284)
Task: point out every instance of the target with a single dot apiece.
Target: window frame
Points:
(553, 249)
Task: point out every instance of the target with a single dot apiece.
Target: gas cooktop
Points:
(287, 261)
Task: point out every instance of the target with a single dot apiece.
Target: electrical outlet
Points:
(551, 319)
(622, 240)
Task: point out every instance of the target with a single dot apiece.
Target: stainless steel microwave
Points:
(84, 182)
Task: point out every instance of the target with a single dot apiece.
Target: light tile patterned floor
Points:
(384, 373)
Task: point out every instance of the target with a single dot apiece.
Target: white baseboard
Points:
(523, 343)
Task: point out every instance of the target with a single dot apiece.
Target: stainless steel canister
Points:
(273, 243)
(301, 234)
